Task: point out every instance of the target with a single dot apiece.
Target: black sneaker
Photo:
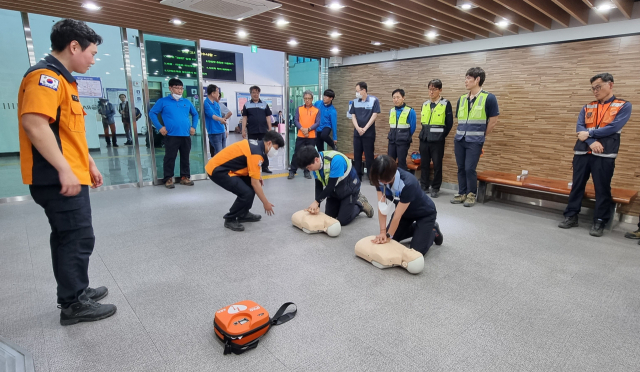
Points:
(266, 170)
(86, 310)
(307, 175)
(291, 175)
(250, 217)
(434, 193)
(233, 224)
(439, 237)
(597, 229)
(569, 222)
(97, 294)
(115, 145)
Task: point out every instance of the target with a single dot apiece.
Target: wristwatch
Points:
(389, 236)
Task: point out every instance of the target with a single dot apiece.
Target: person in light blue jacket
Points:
(105, 109)
(327, 131)
(177, 129)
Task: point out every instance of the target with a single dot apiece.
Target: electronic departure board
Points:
(218, 65)
(179, 60)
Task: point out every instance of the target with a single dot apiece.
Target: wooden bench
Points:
(550, 186)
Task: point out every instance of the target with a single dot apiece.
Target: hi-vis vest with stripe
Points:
(400, 130)
(326, 169)
(592, 121)
(472, 124)
(433, 121)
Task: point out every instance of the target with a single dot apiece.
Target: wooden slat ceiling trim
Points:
(359, 21)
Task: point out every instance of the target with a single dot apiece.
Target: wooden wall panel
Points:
(540, 91)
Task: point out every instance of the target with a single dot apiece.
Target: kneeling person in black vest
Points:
(237, 169)
(336, 181)
(413, 212)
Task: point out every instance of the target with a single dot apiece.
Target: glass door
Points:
(304, 74)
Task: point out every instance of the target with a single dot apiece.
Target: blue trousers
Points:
(467, 157)
(217, 141)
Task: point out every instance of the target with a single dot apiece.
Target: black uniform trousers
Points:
(431, 151)
(467, 158)
(420, 230)
(324, 136)
(259, 137)
(173, 144)
(343, 204)
(241, 187)
(362, 144)
(399, 152)
(300, 142)
(601, 170)
(71, 238)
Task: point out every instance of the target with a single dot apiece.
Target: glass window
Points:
(174, 58)
(15, 62)
(105, 131)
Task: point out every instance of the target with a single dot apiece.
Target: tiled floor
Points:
(507, 291)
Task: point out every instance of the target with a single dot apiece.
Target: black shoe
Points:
(307, 175)
(86, 310)
(434, 193)
(424, 188)
(439, 237)
(108, 144)
(97, 294)
(633, 235)
(115, 145)
(569, 222)
(597, 229)
(266, 170)
(291, 175)
(233, 224)
(250, 217)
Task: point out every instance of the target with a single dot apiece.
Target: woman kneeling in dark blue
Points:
(413, 212)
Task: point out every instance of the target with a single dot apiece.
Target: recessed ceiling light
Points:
(154, 60)
(292, 42)
(376, 43)
(177, 22)
(97, 59)
(465, 6)
(91, 6)
(242, 33)
(389, 22)
(239, 19)
(107, 54)
(605, 7)
(122, 68)
(46, 54)
(431, 34)
(281, 22)
(503, 23)
(335, 49)
(108, 73)
(334, 5)
(334, 33)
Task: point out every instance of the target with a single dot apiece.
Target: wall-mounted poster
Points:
(89, 87)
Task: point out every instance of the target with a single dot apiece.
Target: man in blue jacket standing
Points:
(215, 123)
(177, 130)
(327, 131)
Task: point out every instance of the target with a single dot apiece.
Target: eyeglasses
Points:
(177, 88)
(433, 90)
(596, 88)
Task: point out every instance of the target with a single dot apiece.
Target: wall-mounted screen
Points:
(218, 65)
(167, 59)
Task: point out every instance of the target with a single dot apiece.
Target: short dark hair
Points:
(305, 156)
(476, 72)
(211, 89)
(436, 83)
(605, 76)
(401, 91)
(363, 85)
(175, 82)
(255, 87)
(274, 137)
(68, 30)
(383, 169)
(122, 94)
(329, 93)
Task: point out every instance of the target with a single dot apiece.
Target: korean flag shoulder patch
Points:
(49, 82)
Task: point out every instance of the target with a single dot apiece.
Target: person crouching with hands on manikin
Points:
(413, 213)
(336, 181)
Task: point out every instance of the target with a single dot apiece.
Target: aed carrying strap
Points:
(279, 318)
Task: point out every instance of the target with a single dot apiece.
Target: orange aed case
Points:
(241, 325)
